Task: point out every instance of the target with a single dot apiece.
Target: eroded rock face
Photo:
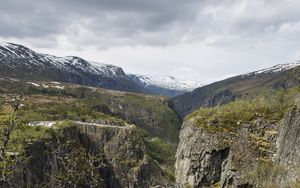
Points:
(204, 159)
(127, 163)
(252, 155)
(288, 144)
(123, 149)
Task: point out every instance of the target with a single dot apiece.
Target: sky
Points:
(202, 40)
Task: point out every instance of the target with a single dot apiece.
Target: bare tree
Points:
(77, 167)
(7, 127)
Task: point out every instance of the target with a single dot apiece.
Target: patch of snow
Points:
(4, 44)
(59, 87)
(55, 82)
(14, 80)
(67, 64)
(274, 69)
(37, 85)
(8, 47)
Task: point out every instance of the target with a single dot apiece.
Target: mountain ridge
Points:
(21, 62)
(166, 85)
(280, 76)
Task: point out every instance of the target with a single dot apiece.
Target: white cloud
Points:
(203, 40)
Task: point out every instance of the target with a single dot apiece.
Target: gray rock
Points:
(257, 154)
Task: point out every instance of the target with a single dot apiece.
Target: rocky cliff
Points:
(262, 152)
(288, 146)
(82, 155)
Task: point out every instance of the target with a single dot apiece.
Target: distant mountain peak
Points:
(165, 81)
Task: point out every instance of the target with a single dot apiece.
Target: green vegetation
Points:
(270, 106)
(27, 134)
(77, 167)
(10, 122)
(156, 124)
(162, 152)
(255, 122)
(57, 110)
(92, 104)
(265, 171)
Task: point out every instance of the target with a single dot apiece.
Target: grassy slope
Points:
(269, 106)
(85, 103)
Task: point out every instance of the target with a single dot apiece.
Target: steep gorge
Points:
(125, 160)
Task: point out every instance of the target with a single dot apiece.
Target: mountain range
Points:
(21, 62)
(17, 61)
(282, 76)
(239, 132)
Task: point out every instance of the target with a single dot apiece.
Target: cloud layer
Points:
(202, 39)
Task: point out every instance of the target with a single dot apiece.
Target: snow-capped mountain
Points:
(168, 85)
(167, 82)
(17, 61)
(274, 69)
(30, 58)
(282, 76)
(21, 62)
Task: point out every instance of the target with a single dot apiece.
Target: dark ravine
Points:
(259, 154)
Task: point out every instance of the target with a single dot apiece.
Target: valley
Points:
(108, 116)
(90, 126)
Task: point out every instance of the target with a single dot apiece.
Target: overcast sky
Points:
(203, 40)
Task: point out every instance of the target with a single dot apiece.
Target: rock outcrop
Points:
(288, 145)
(259, 154)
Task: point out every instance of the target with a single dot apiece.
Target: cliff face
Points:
(257, 154)
(288, 146)
(120, 151)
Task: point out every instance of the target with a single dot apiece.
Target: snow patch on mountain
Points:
(68, 64)
(167, 82)
(274, 69)
(19, 57)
